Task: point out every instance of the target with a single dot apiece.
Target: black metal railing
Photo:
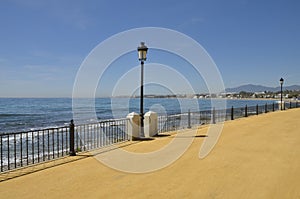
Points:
(187, 120)
(96, 135)
(27, 148)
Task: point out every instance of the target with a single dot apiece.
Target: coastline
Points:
(262, 99)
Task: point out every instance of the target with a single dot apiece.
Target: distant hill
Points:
(260, 88)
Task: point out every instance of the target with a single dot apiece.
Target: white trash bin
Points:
(150, 124)
(133, 125)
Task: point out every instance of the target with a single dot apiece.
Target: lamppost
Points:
(142, 52)
(281, 83)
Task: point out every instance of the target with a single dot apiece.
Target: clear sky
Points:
(43, 43)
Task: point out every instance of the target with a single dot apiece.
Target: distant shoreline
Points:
(216, 98)
(266, 99)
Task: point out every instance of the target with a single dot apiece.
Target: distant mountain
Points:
(260, 88)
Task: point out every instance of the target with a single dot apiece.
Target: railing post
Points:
(1, 155)
(266, 108)
(246, 111)
(214, 115)
(15, 151)
(189, 119)
(256, 109)
(232, 112)
(21, 150)
(8, 159)
(72, 141)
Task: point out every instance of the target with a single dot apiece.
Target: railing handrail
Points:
(35, 130)
(103, 121)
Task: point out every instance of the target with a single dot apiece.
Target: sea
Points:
(27, 114)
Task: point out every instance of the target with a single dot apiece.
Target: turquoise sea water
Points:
(22, 114)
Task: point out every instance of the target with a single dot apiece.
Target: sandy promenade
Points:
(255, 157)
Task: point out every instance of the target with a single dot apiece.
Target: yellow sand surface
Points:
(255, 157)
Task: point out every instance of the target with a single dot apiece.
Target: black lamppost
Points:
(142, 52)
(281, 83)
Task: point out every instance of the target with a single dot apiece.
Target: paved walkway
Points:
(255, 157)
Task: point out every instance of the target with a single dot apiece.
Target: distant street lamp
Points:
(281, 83)
(142, 52)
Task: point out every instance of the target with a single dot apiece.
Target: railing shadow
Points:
(162, 135)
(22, 171)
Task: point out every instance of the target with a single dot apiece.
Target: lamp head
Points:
(281, 81)
(142, 51)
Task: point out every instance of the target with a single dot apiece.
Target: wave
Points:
(5, 115)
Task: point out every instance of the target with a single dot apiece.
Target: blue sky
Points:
(43, 43)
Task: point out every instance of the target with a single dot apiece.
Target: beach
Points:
(255, 157)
